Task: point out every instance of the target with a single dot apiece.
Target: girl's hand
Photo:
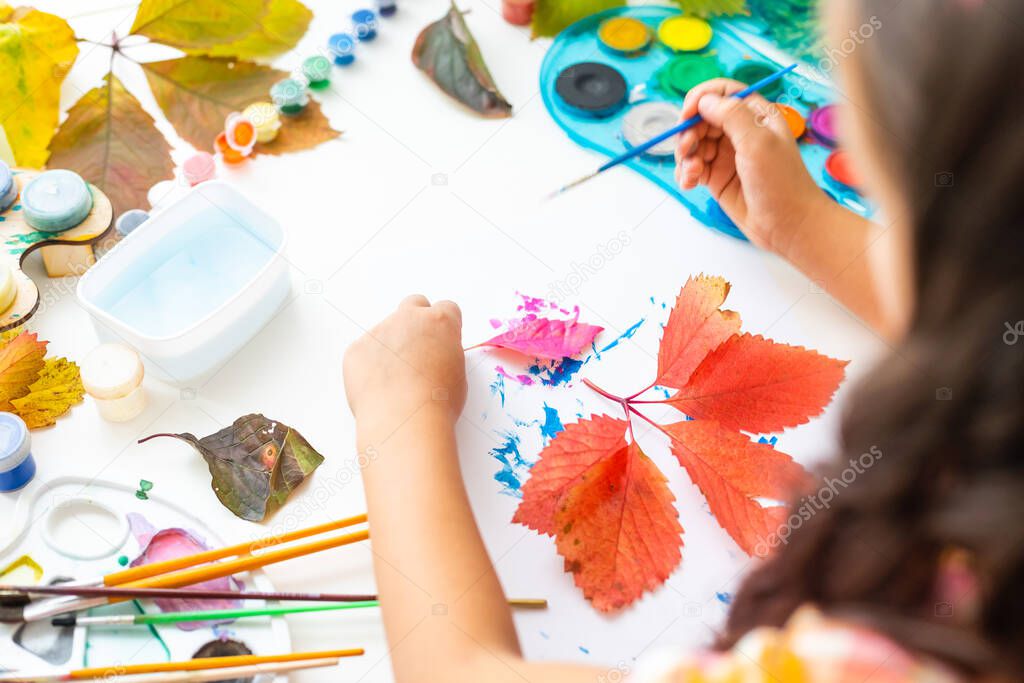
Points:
(745, 154)
(410, 362)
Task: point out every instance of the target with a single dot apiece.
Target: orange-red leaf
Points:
(562, 464)
(618, 529)
(21, 360)
(695, 328)
(732, 472)
(757, 385)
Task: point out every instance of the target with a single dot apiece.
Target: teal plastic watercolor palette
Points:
(606, 134)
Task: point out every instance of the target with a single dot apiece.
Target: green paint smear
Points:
(792, 24)
(152, 631)
(145, 487)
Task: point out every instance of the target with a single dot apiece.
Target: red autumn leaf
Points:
(618, 529)
(732, 472)
(545, 338)
(757, 385)
(695, 328)
(563, 464)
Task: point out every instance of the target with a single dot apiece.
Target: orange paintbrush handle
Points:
(207, 663)
(157, 568)
(194, 575)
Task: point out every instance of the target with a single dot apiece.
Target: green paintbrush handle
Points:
(217, 615)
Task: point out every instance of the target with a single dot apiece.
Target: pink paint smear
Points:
(169, 544)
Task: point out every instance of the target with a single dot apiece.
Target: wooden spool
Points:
(19, 239)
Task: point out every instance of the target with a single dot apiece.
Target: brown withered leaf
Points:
(447, 52)
(197, 93)
(114, 144)
(255, 463)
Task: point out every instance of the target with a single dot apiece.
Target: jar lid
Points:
(111, 371)
(15, 444)
(56, 200)
(8, 188)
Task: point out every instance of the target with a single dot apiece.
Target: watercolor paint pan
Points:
(731, 46)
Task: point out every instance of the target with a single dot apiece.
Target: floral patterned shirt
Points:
(810, 648)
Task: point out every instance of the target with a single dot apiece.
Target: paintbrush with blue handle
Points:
(675, 130)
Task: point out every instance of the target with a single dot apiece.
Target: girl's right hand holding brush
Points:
(745, 154)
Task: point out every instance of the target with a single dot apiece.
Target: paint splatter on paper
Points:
(512, 389)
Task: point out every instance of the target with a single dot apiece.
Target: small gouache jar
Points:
(8, 186)
(17, 466)
(112, 374)
(55, 201)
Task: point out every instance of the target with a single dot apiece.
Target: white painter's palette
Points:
(76, 528)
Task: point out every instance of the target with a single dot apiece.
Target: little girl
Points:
(916, 571)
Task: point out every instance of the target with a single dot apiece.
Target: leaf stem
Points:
(624, 402)
(607, 395)
(647, 420)
(153, 436)
(642, 391)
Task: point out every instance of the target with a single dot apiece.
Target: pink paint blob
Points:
(525, 380)
(199, 168)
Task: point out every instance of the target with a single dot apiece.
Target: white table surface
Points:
(419, 195)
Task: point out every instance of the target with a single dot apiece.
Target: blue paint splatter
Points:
(513, 466)
(584, 650)
(771, 442)
(558, 373)
(498, 389)
(545, 636)
(552, 424)
(724, 598)
(628, 334)
(667, 393)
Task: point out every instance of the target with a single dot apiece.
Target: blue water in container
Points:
(187, 275)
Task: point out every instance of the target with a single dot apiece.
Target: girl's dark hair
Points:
(943, 415)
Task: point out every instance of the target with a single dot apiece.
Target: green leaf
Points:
(551, 16)
(712, 8)
(197, 93)
(224, 28)
(114, 144)
(36, 51)
(255, 463)
(447, 52)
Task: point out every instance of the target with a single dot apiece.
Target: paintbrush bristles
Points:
(575, 183)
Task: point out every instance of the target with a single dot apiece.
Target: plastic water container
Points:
(192, 285)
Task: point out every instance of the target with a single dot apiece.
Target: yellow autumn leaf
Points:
(36, 51)
(240, 28)
(21, 360)
(58, 388)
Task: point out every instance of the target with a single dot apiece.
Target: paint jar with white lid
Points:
(17, 466)
(112, 374)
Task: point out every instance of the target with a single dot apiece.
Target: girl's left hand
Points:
(411, 361)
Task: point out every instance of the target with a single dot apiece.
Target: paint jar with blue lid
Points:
(8, 187)
(55, 201)
(17, 466)
(364, 21)
(342, 47)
